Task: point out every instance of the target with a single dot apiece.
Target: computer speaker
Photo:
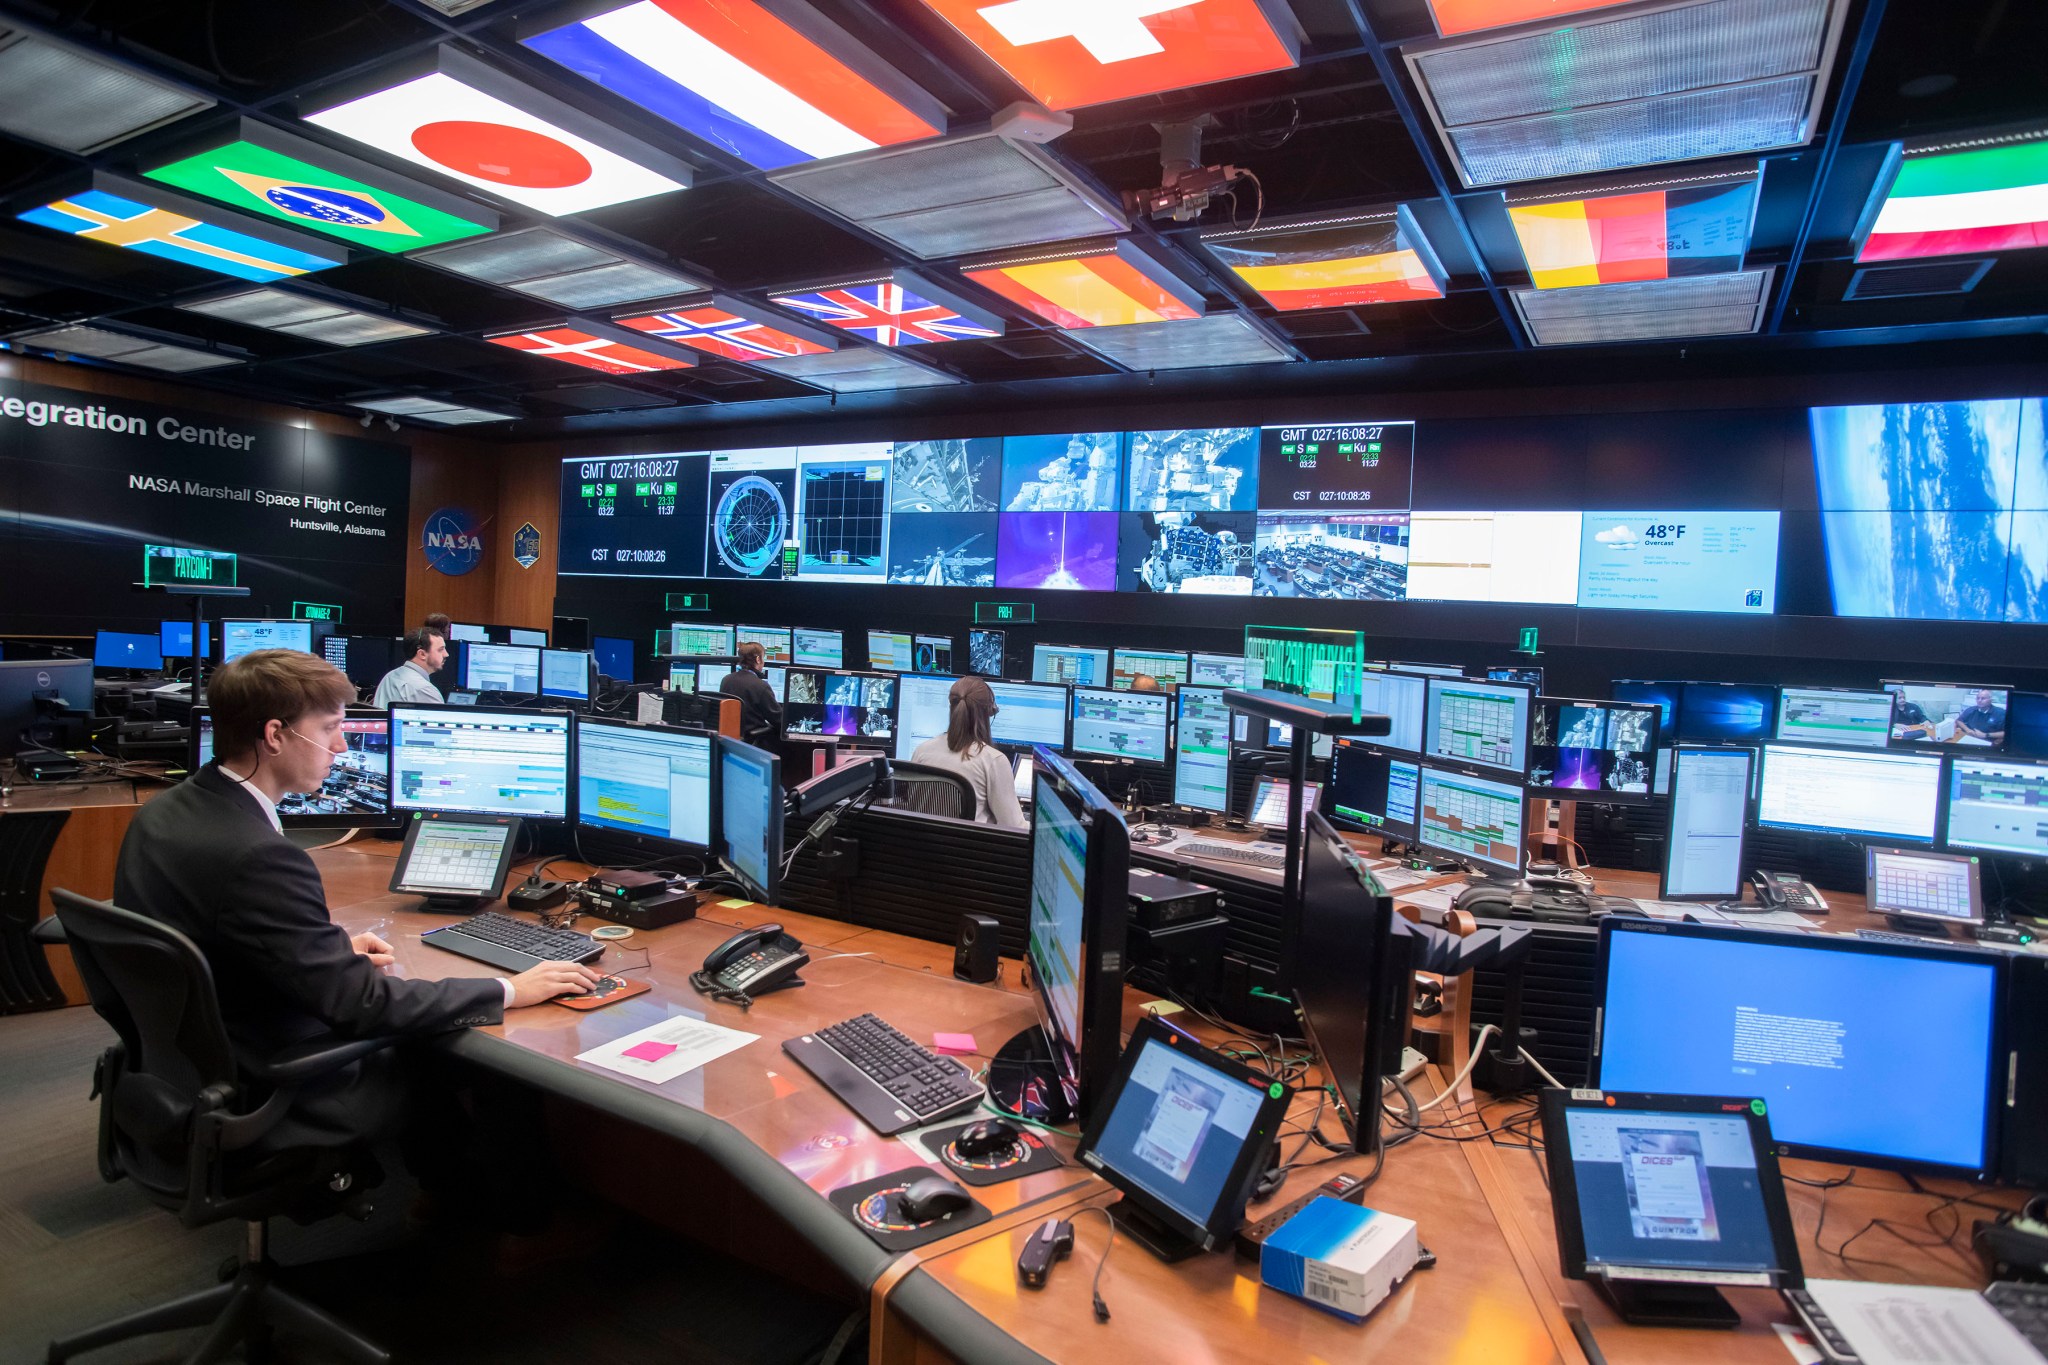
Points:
(974, 955)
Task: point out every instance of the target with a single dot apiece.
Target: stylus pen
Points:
(1583, 1330)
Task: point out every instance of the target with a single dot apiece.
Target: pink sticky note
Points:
(649, 1051)
(961, 1043)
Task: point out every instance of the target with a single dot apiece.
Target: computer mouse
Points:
(986, 1138)
(932, 1198)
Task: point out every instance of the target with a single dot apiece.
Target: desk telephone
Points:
(1787, 891)
(753, 962)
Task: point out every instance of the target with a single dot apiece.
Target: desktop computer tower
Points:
(2023, 1119)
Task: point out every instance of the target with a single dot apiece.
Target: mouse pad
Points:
(1029, 1153)
(870, 1205)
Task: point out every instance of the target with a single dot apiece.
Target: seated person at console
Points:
(209, 859)
(966, 749)
(760, 713)
(412, 682)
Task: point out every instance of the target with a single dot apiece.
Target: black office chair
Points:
(926, 790)
(179, 1111)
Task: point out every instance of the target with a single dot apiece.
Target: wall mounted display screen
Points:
(843, 513)
(1680, 561)
(1494, 557)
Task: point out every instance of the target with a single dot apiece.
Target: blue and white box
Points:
(1340, 1257)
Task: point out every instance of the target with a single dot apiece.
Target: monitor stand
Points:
(456, 905)
(1168, 1244)
(1023, 1079)
(1654, 1303)
(1913, 924)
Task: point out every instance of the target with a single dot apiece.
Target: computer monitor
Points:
(931, 653)
(1872, 1053)
(1834, 715)
(1592, 750)
(987, 653)
(30, 690)
(566, 673)
(923, 710)
(1483, 723)
(710, 675)
(2026, 725)
(1201, 749)
(682, 677)
(174, 639)
(1401, 697)
(1427, 670)
(651, 787)
(1074, 943)
(357, 792)
(777, 643)
(501, 668)
(365, 659)
(1270, 795)
(1111, 724)
(469, 634)
(125, 649)
(1889, 795)
(1371, 791)
(812, 648)
(243, 637)
(1663, 696)
(1516, 673)
(1161, 665)
(750, 818)
(1074, 665)
(1997, 805)
(522, 635)
(891, 651)
(1473, 817)
(614, 656)
(1949, 713)
(715, 642)
(1726, 713)
(1023, 779)
(571, 632)
(481, 760)
(1029, 714)
(860, 707)
(1235, 671)
(1707, 824)
(1922, 890)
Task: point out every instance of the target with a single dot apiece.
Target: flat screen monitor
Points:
(614, 656)
(1111, 724)
(125, 649)
(521, 635)
(1029, 714)
(571, 632)
(1478, 819)
(1834, 715)
(1401, 697)
(1371, 791)
(777, 643)
(1201, 749)
(469, 634)
(701, 642)
(1270, 796)
(1948, 713)
(1884, 794)
(1726, 713)
(174, 639)
(810, 648)
(1427, 670)
(1812, 1024)
(987, 653)
(923, 710)
(1912, 885)
(682, 677)
(242, 637)
(2026, 725)
(565, 673)
(1074, 941)
(891, 651)
(1592, 750)
(357, 792)
(365, 659)
(932, 653)
(1997, 805)
(652, 782)
(710, 675)
(1516, 673)
(28, 687)
(1483, 723)
(481, 761)
(1074, 665)
(1235, 671)
(501, 668)
(1663, 696)
(860, 707)
(1161, 665)
(1708, 821)
(750, 817)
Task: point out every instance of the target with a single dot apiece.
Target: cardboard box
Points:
(1340, 1257)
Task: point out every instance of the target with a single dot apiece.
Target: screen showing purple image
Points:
(1578, 769)
(1071, 550)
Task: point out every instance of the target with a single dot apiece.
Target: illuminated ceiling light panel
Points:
(560, 269)
(962, 195)
(79, 101)
(1630, 87)
(858, 370)
(1333, 264)
(1945, 202)
(439, 411)
(903, 311)
(1072, 53)
(124, 349)
(302, 183)
(1199, 343)
(1114, 286)
(596, 347)
(299, 315)
(150, 220)
(472, 123)
(1471, 16)
(773, 89)
(1652, 310)
(1652, 234)
(728, 328)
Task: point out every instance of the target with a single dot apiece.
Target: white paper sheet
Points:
(694, 1042)
(1910, 1324)
(1436, 898)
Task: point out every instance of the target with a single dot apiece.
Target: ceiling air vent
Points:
(1911, 281)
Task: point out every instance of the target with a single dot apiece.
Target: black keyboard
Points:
(890, 1081)
(513, 944)
(2025, 1306)
(1233, 853)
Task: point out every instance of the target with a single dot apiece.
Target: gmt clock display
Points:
(641, 516)
(1359, 467)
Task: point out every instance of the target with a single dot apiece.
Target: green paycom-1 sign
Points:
(173, 565)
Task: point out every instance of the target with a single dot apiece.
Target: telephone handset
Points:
(754, 961)
(1787, 891)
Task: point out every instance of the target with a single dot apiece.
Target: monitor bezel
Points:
(1389, 828)
(1166, 728)
(470, 713)
(1678, 751)
(658, 845)
(1600, 796)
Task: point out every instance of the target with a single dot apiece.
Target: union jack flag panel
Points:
(722, 333)
(886, 313)
(593, 352)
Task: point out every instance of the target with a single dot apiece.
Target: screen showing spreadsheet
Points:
(1160, 665)
(1835, 715)
(644, 780)
(1915, 885)
(1475, 818)
(1869, 793)
(1998, 805)
(713, 641)
(1109, 724)
(449, 856)
(1075, 665)
(1478, 722)
(1224, 670)
(817, 648)
(1201, 749)
(776, 644)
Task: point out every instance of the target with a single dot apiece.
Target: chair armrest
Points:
(49, 931)
(309, 1061)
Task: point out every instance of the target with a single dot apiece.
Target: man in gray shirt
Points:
(411, 683)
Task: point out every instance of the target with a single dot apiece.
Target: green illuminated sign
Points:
(689, 601)
(172, 565)
(1528, 644)
(1005, 613)
(316, 611)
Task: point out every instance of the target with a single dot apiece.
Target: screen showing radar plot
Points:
(1355, 467)
(752, 501)
(642, 517)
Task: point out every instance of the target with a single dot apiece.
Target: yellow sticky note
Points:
(734, 904)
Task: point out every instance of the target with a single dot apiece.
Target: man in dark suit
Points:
(760, 713)
(209, 859)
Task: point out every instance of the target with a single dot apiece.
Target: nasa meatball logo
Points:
(452, 541)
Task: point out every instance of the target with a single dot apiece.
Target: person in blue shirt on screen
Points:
(966, 749)
(1983, 721)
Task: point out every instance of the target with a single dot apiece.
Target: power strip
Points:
(1252, 1236)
